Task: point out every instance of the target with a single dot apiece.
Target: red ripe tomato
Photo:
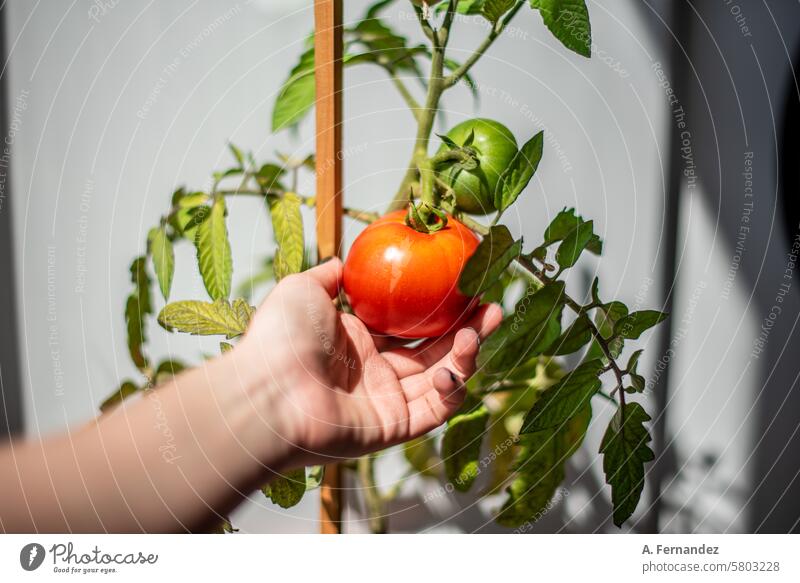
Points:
(404, 283)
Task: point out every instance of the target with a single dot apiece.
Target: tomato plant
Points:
(525, 405)
(487, 148)
(390, 284)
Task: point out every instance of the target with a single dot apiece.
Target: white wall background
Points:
(120, 102)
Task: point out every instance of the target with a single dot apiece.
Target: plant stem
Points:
(498, 28)
(427, 114)
(372, 496)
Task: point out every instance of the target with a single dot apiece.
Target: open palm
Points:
(349, 392)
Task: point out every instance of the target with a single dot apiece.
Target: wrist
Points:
(258, 406)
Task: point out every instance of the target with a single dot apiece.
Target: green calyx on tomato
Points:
(425, 218)
(492, 146)
(404, 283)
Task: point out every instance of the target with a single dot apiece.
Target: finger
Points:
(436, 405)
(409, 361)
(460, 360)
(328, 275)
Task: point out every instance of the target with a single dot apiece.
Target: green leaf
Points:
(463, 6)
(167, 369)
(287, 223)
(286, 490)
(493, 10)
(125, 390)
(314, 477)
(204, 318)
(516, 177)
(568, 20)
(238, 154)
(634, 325)
(269, 176)
(494, 254)
(530, 330)
(214, 252)
(225, 347)
(625, 451)
(296, 97)
(461, 445)
(563, 224)
(573, 244)
(163, 258)
(574, 338)
(377, 8)
(224, 526)
(633, 361)
(420, 453)
(563, 400)
(539, 469)
(606, 316)
(137, 308)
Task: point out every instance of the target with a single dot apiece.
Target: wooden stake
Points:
(328, 74)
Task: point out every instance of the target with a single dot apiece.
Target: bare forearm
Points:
(173, 460)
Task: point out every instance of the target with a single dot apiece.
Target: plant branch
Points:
(526, 263)
(357, 214)
(410, 100)
(497, 29)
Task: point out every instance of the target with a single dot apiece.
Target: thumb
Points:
(328, 275)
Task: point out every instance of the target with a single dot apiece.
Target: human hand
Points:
(341, 391)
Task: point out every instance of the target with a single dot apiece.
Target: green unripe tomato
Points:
(495, 147)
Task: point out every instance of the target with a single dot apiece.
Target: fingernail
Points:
(477, 336)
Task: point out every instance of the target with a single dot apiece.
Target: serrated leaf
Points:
(461, 445)
(573, 244)
(163, 259)
(530, 330)
(575, 337)
(539, 469)
(494, 254)
(563, 400)
(516, 177)
(137, 308)
(214, 252)
(204, 318)
(493, 10)
(287, 224)
(287, 489)
(420, 453)
(625, 451)
(568, 20)
(634, 325)
(125, 390)
(563, 224)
